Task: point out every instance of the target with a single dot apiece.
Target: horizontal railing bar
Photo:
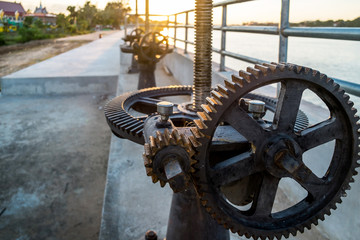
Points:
(349, 87)
(243, 57)
(249, 29)
(324, 32)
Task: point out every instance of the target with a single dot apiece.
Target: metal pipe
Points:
(175, 30)
(249, 29)
(136, 14)
(284, 23)
(324, 32)
(223, 38)
(349, 87)
(147, 27)
(202, 58)
(125, 25)
(186, 30)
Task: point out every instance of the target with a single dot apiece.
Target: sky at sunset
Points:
(258, 10)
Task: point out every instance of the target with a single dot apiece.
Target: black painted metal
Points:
(189, 220)
(146, 75)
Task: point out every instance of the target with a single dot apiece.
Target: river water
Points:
(336, 58)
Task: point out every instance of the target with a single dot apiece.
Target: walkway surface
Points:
(98, 58)
(54, 149)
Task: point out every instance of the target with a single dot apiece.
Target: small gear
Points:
(174, 143)
(275, 152)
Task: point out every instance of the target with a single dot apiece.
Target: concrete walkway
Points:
(90, 68)
(54, 149)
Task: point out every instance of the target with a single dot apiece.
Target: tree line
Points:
(79, 20)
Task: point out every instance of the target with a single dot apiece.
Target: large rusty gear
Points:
(276, 152)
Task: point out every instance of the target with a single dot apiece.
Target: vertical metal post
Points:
(283, 40)
(167, 25)
(125, 25)
(147, 28)
(136, 15)
(223, 38)
(175, 23)
(186, 30)
(284, 23)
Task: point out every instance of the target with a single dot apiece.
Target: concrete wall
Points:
(181, 66)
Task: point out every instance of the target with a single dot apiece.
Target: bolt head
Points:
(165, 108)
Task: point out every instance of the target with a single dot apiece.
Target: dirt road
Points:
(16, 57)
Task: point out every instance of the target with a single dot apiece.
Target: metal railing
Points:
(284, 31)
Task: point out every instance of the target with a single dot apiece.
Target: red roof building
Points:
(9, 10)
(41, 13)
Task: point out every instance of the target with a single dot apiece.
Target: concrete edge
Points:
(58, 85)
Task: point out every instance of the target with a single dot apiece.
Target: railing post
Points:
(175, 23)
(167, 25)
(125, 25)
(223, 38)
(186, 30)
(147, 27)
(284, 23)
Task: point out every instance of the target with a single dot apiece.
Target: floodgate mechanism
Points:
(224, 159)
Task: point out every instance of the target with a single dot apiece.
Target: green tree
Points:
(73, 13)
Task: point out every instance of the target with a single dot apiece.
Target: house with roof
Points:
(42, 14)
(12, 15)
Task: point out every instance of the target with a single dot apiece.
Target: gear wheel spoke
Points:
(228, 177)
(248, 127)
(288, 105)
(320, 133)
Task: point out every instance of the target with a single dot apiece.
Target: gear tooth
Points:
(147, 149)
(206, 108)
(203, 202)
(322, 217)
(299, 69)
(293, 231)
(217, 96)
(147, 161)
(327, 211)
(226, 226)
(212, 103)
(247, 235)
(351, 104)
(153, 146)
(323, 76)
(316, 73)
(194, 142)
(346, 97)
(204, 116)
(223, 90)
(196, 132)
(200, 124)
(230, 85)
(154, 178)
(176, 136)
(149, 171)
(208, 209)
(265, 70)
(255, 72)
(245, 75)
(237, 80)
(286, 235)
(162, 183)
(264, 237)
(330, 80)
(232, 229)
(213, 215)
(272, 67)
(192, 170)
(159, 139)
